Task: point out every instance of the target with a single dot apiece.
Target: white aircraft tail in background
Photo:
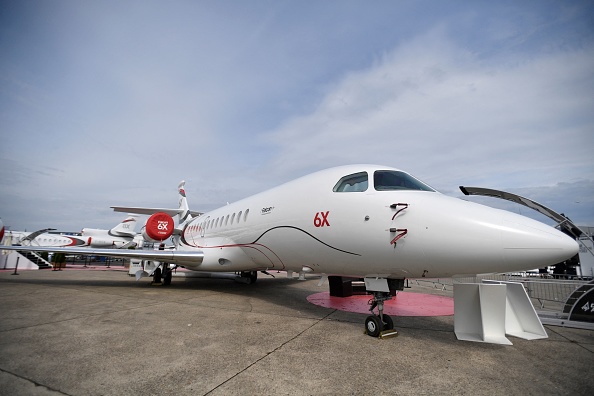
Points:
(157, 228)
(120, 236)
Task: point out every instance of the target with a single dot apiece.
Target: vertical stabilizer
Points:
(126, 227)
(184, 215)
(184, 210)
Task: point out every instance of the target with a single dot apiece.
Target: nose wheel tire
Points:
(373, 325)
(388, 322)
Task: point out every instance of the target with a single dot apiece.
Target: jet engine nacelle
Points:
(98, 242)
(158, 227)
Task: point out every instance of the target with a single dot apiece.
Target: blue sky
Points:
(114, 102)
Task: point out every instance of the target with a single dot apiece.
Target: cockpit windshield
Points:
(383, 180)
(357, 182)
(390, 180)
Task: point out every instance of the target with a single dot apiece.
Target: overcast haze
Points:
(114, 102)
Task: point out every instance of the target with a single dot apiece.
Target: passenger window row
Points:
(222, 221)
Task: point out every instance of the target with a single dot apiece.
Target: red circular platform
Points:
(404, 304)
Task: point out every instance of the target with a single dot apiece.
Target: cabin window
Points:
(239, 216)
(232, 218)
(246, 214)
(390, 180)
(356, 182)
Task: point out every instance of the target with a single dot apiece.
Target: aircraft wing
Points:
(150, 211)
(183, 258)
(562, 221)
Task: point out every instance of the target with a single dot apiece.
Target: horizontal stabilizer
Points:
(151, 211)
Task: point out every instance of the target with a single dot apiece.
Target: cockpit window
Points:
(357, 182)
(389, 180)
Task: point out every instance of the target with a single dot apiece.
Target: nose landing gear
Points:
(379, 325)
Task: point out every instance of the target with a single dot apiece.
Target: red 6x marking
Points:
(321, 219)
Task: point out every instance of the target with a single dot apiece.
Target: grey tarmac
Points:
(89, 332)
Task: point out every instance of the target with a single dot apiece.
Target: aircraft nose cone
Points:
(534, 243)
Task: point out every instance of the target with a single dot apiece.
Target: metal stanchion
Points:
(16, 266)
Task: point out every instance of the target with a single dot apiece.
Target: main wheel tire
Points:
(373, 325)
(252, 276)
(388, 322)
(167, 278)
(157, 275)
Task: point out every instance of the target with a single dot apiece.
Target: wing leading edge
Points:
(182, 258)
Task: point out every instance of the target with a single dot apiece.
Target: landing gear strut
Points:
(380, 324)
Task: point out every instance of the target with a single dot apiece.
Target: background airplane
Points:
(374, 222)
(122, 235)
(183, 213)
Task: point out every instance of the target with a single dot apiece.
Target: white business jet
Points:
(368, 221)
(120, 236)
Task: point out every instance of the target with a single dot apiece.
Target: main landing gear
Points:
(163, 276)
(248, 277)
(380, 325)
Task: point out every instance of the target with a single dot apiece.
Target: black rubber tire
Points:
(373, 325)
(157, 275)
(251, 275)
(388, 322)
(167, 278)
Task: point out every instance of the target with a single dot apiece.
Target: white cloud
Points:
(111, 103)
(435, 109)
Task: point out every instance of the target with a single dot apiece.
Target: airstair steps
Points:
(37, 260)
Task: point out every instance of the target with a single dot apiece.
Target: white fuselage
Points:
(305, 225)
(98, 238)
(45, 239)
